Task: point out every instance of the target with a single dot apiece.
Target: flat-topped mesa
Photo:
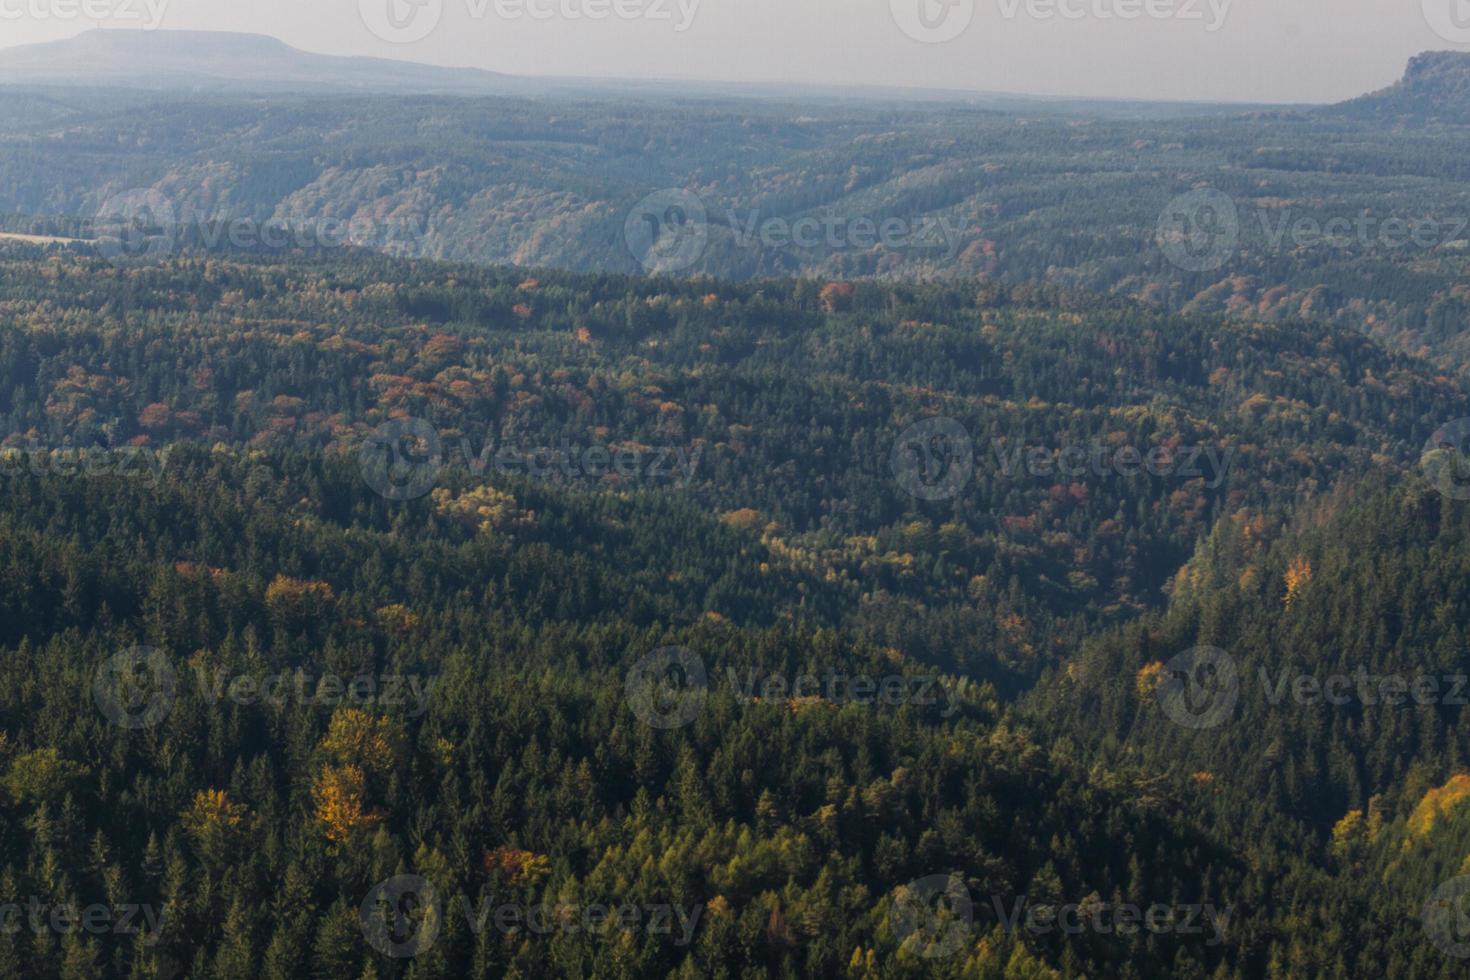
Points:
(227, 61)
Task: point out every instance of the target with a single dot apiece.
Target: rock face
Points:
(1435, 88)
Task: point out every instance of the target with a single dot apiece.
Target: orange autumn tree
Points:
(837, 296)
(294, 601)
(516, 866)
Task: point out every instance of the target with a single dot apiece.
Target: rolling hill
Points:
(1435, 89)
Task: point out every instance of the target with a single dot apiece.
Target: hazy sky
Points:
(1239, 50)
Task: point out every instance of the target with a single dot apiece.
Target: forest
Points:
(539, 530)
(372, 617)
(1355, 215)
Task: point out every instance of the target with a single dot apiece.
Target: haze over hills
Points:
(215, 61)
(220, 60)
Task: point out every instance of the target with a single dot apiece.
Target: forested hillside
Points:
(322, 569)
(1276, 215)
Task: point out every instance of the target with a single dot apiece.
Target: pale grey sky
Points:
(1237, 50)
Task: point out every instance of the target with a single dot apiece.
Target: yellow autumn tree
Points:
(357, 745)
(485, 507)
(356, 738)
(745, 519)
(1347, 832)
(1438, 802)
(212, 821)
(1149, 677)
(1298, 574)
(40, 775)
(398, 618)
(340, 809)
(295, 601)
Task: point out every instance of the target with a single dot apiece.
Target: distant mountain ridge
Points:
(223, 61)
(1435, 88)
(216, 59)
